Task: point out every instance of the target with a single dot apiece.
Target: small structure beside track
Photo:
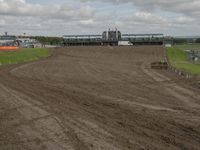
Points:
(159, 65)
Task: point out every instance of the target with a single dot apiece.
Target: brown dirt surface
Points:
(98, 98)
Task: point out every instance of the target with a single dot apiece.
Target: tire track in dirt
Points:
(175, 90)
(45, 127)
(97, 98)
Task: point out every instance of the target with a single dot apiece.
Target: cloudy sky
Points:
(62, 17)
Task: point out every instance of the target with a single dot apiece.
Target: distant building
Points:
(168, 41)
(7, 40)
(8, 43)
(29, 43)
(194, 55)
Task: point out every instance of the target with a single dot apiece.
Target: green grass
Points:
(189, 46)
(179, 59)
(23, 55)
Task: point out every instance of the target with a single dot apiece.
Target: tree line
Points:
(186, 40)
(45, 40)
(49, 40)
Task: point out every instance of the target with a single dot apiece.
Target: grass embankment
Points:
(23, 55)
(179, 59)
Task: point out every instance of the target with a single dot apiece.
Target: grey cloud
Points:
(19, 16)
(188, 7)
(22, 8)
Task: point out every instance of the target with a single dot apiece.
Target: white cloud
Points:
(148, 18)
(185, 20)
(87, 22)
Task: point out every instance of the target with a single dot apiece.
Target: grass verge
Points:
(179, 59)
(23, 55)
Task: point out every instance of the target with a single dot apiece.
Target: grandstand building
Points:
(113, 38)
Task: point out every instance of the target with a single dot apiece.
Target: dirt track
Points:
(97, 98)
